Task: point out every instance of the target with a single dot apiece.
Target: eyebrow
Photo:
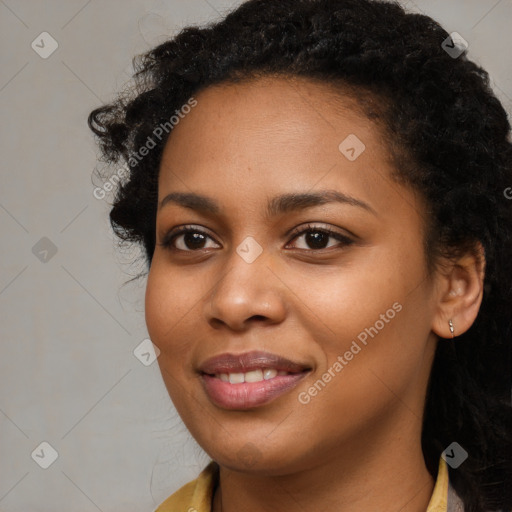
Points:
(284, 203)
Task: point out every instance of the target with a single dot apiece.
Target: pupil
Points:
(193, 240)
(316, 239)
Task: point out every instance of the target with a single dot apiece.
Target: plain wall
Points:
(69, 327)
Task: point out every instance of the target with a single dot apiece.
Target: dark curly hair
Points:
(448, 138)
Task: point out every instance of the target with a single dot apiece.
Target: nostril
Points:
(258, 317)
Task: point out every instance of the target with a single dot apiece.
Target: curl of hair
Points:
(448, 138)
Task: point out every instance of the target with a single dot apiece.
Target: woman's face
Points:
(352, 310)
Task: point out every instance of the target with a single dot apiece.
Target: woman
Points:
(320, 190)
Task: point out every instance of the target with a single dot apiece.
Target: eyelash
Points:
(168, 240)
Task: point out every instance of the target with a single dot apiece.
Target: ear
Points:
(459, 293)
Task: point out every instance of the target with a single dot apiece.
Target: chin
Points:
(254, 458)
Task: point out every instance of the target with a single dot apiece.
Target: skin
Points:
(241, 145)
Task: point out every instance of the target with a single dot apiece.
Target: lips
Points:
(249, 361)
(248, 380)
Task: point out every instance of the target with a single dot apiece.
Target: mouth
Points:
(248, 380)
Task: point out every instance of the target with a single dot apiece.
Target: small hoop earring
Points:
(452, 330)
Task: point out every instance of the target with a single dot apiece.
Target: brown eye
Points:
(187, 239)
(317, 238)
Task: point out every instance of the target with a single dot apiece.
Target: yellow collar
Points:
(197, 495)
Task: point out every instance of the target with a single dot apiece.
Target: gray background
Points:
(69, 327)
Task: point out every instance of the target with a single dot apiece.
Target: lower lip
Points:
(248, 395)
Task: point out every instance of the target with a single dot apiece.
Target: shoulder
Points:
(196, 495)
(444, 498)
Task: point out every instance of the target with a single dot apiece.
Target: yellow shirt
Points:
(196, 496)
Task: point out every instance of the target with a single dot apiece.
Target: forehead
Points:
(308, 102)
(251, 121)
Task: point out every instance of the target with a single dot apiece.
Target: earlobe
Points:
(460, 294)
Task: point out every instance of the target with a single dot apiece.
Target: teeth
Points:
(269, 373)
(252, 376)
(236, 378)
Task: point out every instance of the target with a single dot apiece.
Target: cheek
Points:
(165, 312)
(166, 309)
(170, 296)
(344, 302)
(381, 304)
(155, 305)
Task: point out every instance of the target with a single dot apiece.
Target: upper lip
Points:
(248, 361)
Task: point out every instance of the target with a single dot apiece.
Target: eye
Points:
(192, 239)
(318, 237)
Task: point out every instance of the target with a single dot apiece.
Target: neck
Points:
(388, 475)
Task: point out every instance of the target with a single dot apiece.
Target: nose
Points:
(245, 294)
